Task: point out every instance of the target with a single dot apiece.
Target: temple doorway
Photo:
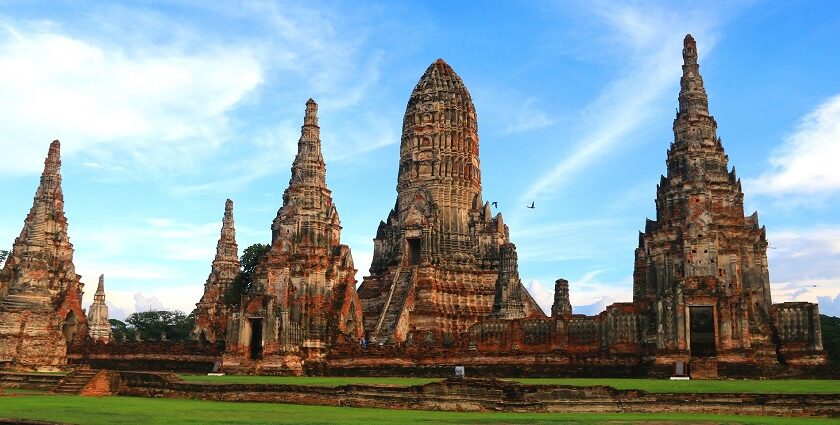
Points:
(69, 327)
(413, 251)
(702, 328)
(256, 343)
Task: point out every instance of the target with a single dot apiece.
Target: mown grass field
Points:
(136, 411)
(650, 385)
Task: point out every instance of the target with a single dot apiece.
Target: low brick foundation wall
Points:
(520, 365)
(167, 356)
(486, 395)
(29, 381)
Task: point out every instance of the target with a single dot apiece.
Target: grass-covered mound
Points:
(651, 385)
(136, 411)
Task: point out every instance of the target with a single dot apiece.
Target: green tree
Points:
(243, 282)
(830, 327)
(121, 331)
(3, 255)
(151, 324)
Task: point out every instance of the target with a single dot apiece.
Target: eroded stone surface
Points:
(436, 258)
(304, 297)
(40, 292)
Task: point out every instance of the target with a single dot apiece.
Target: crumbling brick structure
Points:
(304, 296)
(211, 312)
(40, 292)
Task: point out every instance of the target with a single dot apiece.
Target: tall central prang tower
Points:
(436, 257)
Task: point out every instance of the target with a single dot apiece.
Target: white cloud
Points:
(156, 106)
(805, 266)
(807, 161)
(804, 254)
(541, 295)
(654, 36)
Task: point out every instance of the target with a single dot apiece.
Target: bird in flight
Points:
(495, 204)
(530, 206)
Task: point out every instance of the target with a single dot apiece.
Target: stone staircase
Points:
(703, 368)
(394, 307)
(75, 382)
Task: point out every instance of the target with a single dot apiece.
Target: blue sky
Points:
(165, 109)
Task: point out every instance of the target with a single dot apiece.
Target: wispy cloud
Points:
(151, 107)
(805, 266)
(654, 37)
(806, 164)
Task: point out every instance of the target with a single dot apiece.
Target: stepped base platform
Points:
(477, 394)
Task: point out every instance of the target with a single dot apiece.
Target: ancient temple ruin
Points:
(701, 282)
(436, 258)
(701, 286)
(304, 296)
(40, 292)
(99, 328)
(211, 313)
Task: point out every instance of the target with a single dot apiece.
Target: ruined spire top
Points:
(99, 295)
(311, 117)
(693, 98)
(227, 251)
(52, 163)
(229, 209)
(689, 49)
(308, 167)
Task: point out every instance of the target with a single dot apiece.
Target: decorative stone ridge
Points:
(40, 292)
(211, 312)
(436, 258)
(303, 298)
(99, 327)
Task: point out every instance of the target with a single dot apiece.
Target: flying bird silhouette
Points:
(495, 204)
(530, 206)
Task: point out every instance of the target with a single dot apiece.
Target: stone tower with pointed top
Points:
(304, 289)
(701, 271)
(40, 292)
(436, 257)
(509, 302)
(99, 328)
(211, 311)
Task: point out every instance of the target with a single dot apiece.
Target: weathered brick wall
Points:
(486, 395)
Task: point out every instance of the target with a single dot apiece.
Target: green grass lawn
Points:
(650, 385)
(134, 411)
(770, 386)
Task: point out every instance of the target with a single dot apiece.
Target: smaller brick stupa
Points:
(100, 328)
(211, 311)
